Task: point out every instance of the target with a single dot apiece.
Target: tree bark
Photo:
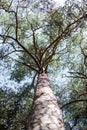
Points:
(45, 113)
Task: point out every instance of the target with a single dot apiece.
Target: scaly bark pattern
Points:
(45, 113)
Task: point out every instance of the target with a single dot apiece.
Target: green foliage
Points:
(14, 108)
(19, 72)
(47, 23)
(55, 23)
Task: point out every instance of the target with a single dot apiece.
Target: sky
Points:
(59, 2)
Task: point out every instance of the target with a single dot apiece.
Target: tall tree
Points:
(35, 29)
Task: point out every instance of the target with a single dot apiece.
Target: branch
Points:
(49, 58)
(78, 75)
(27, 65)
(82, 94)
(85, 55)
(64, 33)
(16, 39)
(11, 53)
(30, 66)
(29, 53)
(35, 43)
(16, 18)
(10, 4)
(36, 47)
(76, 101)
(6, 32)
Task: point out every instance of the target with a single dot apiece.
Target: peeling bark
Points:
(45, 113)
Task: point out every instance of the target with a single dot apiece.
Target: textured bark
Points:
(45, 113)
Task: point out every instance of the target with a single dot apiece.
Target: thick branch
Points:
(64, 33)
(27, 65)
(29, 53)
(49, 58)
(55, 47)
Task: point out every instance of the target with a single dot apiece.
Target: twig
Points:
(11, 53)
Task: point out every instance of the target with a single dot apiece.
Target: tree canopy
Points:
(37, 36)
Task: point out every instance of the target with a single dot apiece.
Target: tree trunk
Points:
(45, 112)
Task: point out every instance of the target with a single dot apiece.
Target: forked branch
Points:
(63, 34)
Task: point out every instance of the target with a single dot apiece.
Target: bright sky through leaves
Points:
(59, 2)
